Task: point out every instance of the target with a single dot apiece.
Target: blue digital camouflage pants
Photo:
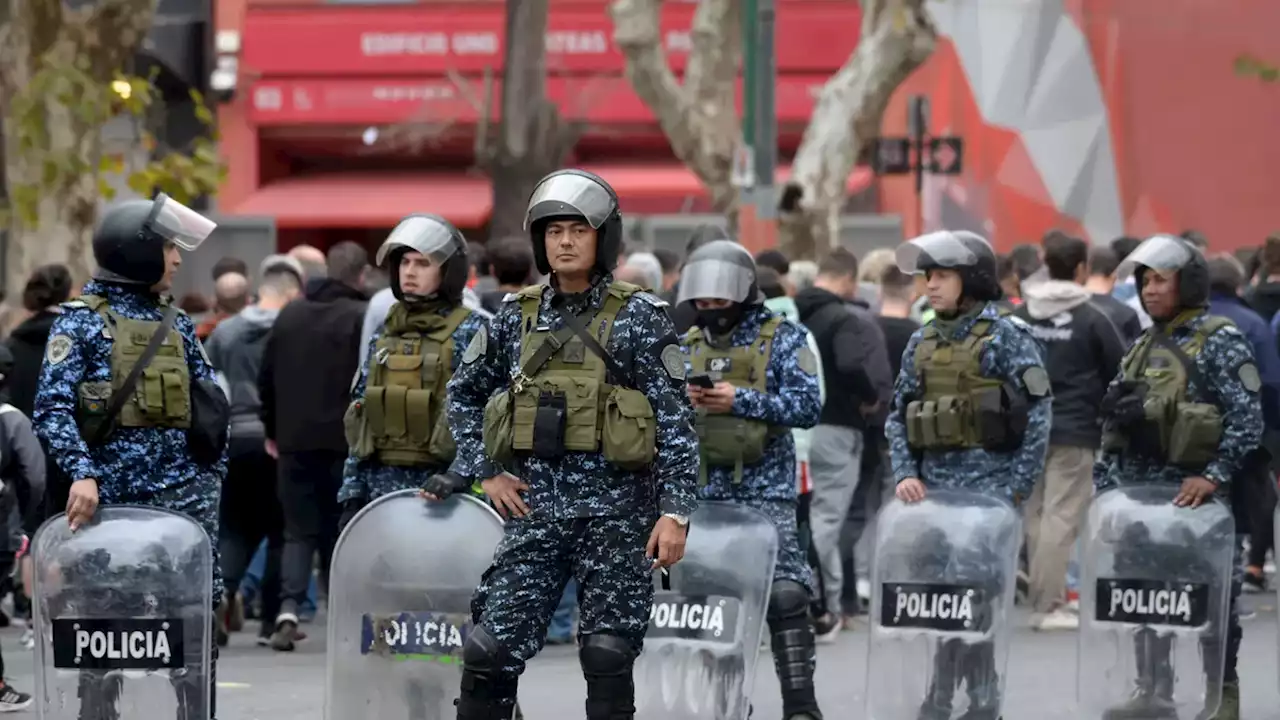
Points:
(521, 590)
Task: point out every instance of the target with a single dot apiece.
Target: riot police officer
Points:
(576, 389)
(1201, 369)
(971, 410)
(126, 438)
(396, 425)
(753, 378)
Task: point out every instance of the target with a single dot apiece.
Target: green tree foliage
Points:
(66, 73)
(1252, 67)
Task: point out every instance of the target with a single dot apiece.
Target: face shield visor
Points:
(178, 224)
(937, 249)
(573, 195)
(432, 238)
(715, 279)
(1161, 253)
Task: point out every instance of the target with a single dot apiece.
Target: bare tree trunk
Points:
(897, 36)
(700, 117)
(54, 209)
(533, 138)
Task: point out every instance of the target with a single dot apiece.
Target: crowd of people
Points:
(299, 345)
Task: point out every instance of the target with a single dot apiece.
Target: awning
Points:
(375, 199)
(642, 185)
(370, 199)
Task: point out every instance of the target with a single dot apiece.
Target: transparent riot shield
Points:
(1154, 596)
(941, 601)
(400, 589)
(123, 611)
(700, 653)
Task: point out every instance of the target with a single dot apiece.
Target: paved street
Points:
(260, 685)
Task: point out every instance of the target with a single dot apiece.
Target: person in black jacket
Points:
(1103, 262)
(48, 287)
(1084, 349)
(855, 367)
(307, 369)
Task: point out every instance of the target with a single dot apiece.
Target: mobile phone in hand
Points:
(702, 380)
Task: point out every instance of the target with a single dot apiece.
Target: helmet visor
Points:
(714, 279)
(434, 239)
(570, 194)
(937, 249)
(1164, 254)
(179, 224)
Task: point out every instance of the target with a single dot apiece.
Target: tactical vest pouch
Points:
(1149, 437)
(581, 411)
(549, 425)
(937, 424)
(441, 446)
(991, 419)
(728, 441)
(94, 399)
(356, 428)
(499, 428)
(161, 397)
(1193, 440)
(628, 437)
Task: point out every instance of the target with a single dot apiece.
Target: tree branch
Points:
(897, 36)
(717, 41)
(637, 32)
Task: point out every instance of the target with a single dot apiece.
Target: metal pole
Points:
(749, 73)
(766, 120)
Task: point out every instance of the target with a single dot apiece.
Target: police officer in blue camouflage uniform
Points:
(576, 389)
(396, 425)
(1214, 365)
(158, 450)
(752, 379)
(983, 363)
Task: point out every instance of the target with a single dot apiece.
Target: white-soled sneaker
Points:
(13, 701)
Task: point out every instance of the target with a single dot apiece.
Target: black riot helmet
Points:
(575, 195)
(440, 242)
(130, 241)
(1167, 254)
(960, 250)
(720, 270)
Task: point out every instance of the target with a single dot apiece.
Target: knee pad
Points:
(603, 654)
(482, 653)
(787, 600)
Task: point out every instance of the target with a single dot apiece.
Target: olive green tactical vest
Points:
(727, 440)
(404, 400)
(162, 396)
(1189, 431)
(953, 390)
(616, 421)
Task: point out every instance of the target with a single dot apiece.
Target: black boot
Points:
(486, 697)
(794, 650)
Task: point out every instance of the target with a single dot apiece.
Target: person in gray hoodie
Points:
(250, 508)
(1083, 350)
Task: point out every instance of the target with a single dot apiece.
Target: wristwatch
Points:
(681, 520)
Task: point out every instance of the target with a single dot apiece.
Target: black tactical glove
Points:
(349, 510)
(444, 484)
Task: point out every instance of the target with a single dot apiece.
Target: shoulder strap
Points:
(120, 396)
(451, 323)
(761, 362)
(770, 326)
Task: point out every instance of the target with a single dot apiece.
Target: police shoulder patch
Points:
(1036, 380)
(58, 348)
(478, 346)
(673, 361)
(807, 362)
(652, 299)
(1248, 374)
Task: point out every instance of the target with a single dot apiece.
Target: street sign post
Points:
(943, 155)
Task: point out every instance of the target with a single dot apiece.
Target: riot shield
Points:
(943, 587)
(700, 653)
(123, 611)
(400, 588)
(1154, 597)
